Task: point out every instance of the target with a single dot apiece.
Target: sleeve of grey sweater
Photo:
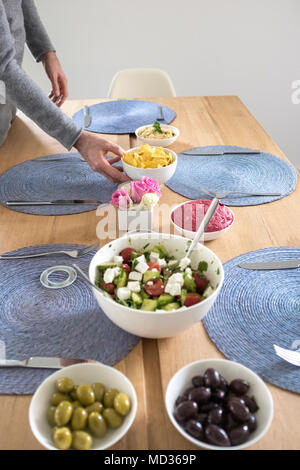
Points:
(37, 38)
(28, 96)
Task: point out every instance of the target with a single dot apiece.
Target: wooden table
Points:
(202, 121)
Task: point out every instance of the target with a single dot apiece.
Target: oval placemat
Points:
(255, 310)
(264, 173)
(65, 178)
(123, 116)
(36, 321)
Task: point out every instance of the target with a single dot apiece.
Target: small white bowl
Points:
(158, 142)
(159, 174)
(208, 236)
(230, 370)
(81, 373)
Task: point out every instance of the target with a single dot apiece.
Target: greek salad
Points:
(152, 280)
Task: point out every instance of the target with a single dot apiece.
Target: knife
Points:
(214, 152)
(43, 362)
(51, 203)
(269, 265)
(87, 117)
(50, 158)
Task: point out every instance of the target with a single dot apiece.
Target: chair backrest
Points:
(140, 83)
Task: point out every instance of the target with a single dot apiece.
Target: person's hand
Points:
(94, 150)
(59, 92)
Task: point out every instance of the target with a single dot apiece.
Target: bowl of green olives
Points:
(219, 404)
(81, 407)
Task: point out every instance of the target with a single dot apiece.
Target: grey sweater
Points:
(20, 24)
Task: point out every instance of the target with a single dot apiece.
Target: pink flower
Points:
(121, 199)
(146, 185)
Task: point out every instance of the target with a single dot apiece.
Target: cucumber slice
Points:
(150, 275)
(164, 299)
(172, 306)
(149, 305)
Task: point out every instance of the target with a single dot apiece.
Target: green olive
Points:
(99, 390)
(81, 440)
(85, 394)
(62, 438)
(79, 418)
(50, 415)
(97, 406)
(97, 424)
(109, 396)
(122, 404)
(73, 393)
(63, 413)
(58, 397)
(64, 385)
(113, 419)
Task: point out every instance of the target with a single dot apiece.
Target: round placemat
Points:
(123, 116)
(64, 179)
(255, 310)
(246, 173)
(36, 321)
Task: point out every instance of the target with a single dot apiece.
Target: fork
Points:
(290, 356)
(72, 253)
(160, 116)
(228, 193)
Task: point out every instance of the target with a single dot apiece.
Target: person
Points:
(20, 24)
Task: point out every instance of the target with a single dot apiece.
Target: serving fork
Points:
(72, 253)
(293, 357)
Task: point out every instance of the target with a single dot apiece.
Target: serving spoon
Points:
(208, 216)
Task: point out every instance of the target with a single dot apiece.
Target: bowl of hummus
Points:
(158, 163)
(157, 134)
(187, 217)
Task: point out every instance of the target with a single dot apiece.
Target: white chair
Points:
(140, 83)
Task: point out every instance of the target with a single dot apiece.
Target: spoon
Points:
(209, 214)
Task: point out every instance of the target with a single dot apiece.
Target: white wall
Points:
(250, 48)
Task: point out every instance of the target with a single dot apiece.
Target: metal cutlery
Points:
(88, 280)
(290, 356)
(87, 117)
(215, 152)
(43, 362)
(160, 116)
(222, 195)
(72, 253)
(208, 216)
(60, 202)
(269, 265)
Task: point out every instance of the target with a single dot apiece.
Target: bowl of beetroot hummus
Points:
(187, 217)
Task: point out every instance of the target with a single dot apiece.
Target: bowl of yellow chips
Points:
(155, 162)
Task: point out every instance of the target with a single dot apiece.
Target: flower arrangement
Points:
(137, 195)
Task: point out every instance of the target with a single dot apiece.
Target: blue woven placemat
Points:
(36, 321)
(122, 116)
(247, 173)
(67, 178)
(256, 309)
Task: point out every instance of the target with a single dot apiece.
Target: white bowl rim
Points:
(115, 439)
(203, 444)
(175, 129)
(174, 154)
(166, 312)
(218, 232)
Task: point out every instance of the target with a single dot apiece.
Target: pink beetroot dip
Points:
(188, 216)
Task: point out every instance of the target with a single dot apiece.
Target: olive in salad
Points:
(153, 280)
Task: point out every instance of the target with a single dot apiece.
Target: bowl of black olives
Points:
(81, 407)
(219, 404)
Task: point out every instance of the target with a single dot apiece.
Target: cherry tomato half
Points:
(192, 299)
(108, 287)
(155, 288)
(126, 254)
(126, 268)
(201, 282)
(154, 266)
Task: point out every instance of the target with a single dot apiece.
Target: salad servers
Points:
(221, 195)
(208, 216)
(72, 253)
(293, 357)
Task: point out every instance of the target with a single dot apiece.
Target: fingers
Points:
(115, 148)
(117, 175)
(63, 84)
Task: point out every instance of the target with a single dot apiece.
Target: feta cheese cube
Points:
(154, 256)
(135, 276)
(173, 288)
(134, 286)
(162, 262)
(176, 278)
(141, 267)
(123, 293)
(118, 260)
(110, 274)
(141, 259)
(184, 263)
(188, 272)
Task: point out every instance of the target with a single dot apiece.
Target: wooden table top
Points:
(152, 363)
